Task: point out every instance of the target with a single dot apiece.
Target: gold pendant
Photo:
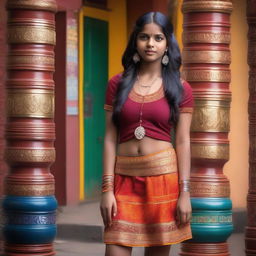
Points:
(139, 132)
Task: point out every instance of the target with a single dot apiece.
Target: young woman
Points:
(145, 190)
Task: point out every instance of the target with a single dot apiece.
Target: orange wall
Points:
(237, 168)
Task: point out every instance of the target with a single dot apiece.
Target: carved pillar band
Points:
(31, 103)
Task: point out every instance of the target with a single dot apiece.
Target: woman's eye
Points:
(159, 38)
(143, 37)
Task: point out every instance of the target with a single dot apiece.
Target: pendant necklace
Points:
(140, 132)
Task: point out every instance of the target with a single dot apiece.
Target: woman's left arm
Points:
(182, 142)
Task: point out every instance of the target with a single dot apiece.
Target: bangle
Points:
(184, 185)
(107, 182)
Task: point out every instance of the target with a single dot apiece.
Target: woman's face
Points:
(151, 43)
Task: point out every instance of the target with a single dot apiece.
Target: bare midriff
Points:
(142, 147)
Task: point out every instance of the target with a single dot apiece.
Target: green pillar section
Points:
(95, 80)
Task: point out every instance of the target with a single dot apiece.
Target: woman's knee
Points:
(118, 250)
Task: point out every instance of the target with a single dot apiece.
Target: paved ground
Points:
(72, 248)
(80, 233)
(75, 248)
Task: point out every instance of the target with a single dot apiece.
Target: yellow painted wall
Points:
(237, 167)
(118, 35)
(178, 22)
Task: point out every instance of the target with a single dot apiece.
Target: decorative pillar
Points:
(30, 204)
(250, 234)
(3, 49)
(206, 60)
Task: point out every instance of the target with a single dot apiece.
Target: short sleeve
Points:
(111, 92)
(187, 102)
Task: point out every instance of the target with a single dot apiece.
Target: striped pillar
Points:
(2, 90)
(206, 60)
(250, 234)
(30, 204)
(3, 49)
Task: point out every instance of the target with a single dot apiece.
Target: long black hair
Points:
(170, 73)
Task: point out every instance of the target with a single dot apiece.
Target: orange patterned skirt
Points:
(146, 190)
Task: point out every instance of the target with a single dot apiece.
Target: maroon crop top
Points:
(156, 111)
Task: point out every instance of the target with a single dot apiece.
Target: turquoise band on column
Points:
(211, 203)
(29, 220)
(211, 219)
(30, 234)
(30, 203)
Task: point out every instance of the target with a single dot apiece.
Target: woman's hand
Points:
(108, 207)
(184, 209)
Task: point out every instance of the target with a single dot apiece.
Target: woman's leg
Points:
(157, 250)
(118, 250)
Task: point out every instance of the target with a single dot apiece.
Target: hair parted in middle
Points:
(170, 72)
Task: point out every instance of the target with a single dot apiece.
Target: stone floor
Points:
(76, 248)
(80, 233)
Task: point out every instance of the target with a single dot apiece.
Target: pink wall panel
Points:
(72, 166)
(64, 5)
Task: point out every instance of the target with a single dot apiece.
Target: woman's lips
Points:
(150, 52)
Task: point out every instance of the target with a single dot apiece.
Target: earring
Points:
(165, 59)
(136, 58)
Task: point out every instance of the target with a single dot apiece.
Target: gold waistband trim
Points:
(161, 162)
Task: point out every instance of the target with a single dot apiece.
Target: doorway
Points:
(94, 86)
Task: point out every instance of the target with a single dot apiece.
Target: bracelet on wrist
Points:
(107, 183)
(184, 185)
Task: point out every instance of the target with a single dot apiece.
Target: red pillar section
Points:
(3, 50)
(250, 235)
(206, 59)
(29, 205)
(59, 167)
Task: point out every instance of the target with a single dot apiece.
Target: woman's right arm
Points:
(108, 202)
